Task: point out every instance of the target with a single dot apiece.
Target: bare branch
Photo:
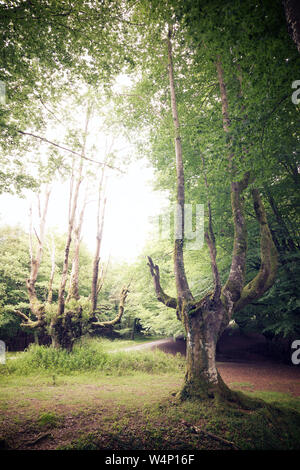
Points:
(160, 294)
(35, 306)
(43, 139)
(211, 242)
(50, 287)
(29, 323)
(117, 319)
(72, 213)
(99, 234)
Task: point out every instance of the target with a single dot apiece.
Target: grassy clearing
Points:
(92, 399)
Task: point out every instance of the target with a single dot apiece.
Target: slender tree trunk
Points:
(133, 329)
(100, 225)
(74, 277)
(288, 241)
(183, 291)
(50, 286)
(62, 329)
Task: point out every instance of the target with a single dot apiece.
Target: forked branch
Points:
(160, 294)
(269, 258)
(27, 321)
(117, 319)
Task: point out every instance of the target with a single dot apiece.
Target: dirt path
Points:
(260, 374)
(159, 343)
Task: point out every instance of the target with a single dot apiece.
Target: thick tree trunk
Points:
(204, 325)
(202, 321)
(292, 13)
(66, 329)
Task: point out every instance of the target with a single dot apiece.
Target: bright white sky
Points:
(131, 203)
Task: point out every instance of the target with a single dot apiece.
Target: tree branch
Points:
(211, 242)
(29, 323)
(117, 319)
(269, 259)
(234, 285)
(160, 294)
(43, 139)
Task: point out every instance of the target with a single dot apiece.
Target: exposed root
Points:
(197, 430)
(219, 394)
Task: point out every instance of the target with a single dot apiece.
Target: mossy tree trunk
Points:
(37, 308)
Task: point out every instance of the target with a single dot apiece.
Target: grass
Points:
(13, 354)
(127, 402)
(284, 400)
(49, 420)
(161, 427)
(241, 384)
(92, 355)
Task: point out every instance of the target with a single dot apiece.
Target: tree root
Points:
(38, 439)
(197, 430)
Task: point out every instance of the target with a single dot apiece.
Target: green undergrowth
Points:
(91, 356)
(284, 400)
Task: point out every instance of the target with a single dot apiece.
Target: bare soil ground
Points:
(240, 364)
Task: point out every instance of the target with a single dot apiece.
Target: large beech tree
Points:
(205, 319)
